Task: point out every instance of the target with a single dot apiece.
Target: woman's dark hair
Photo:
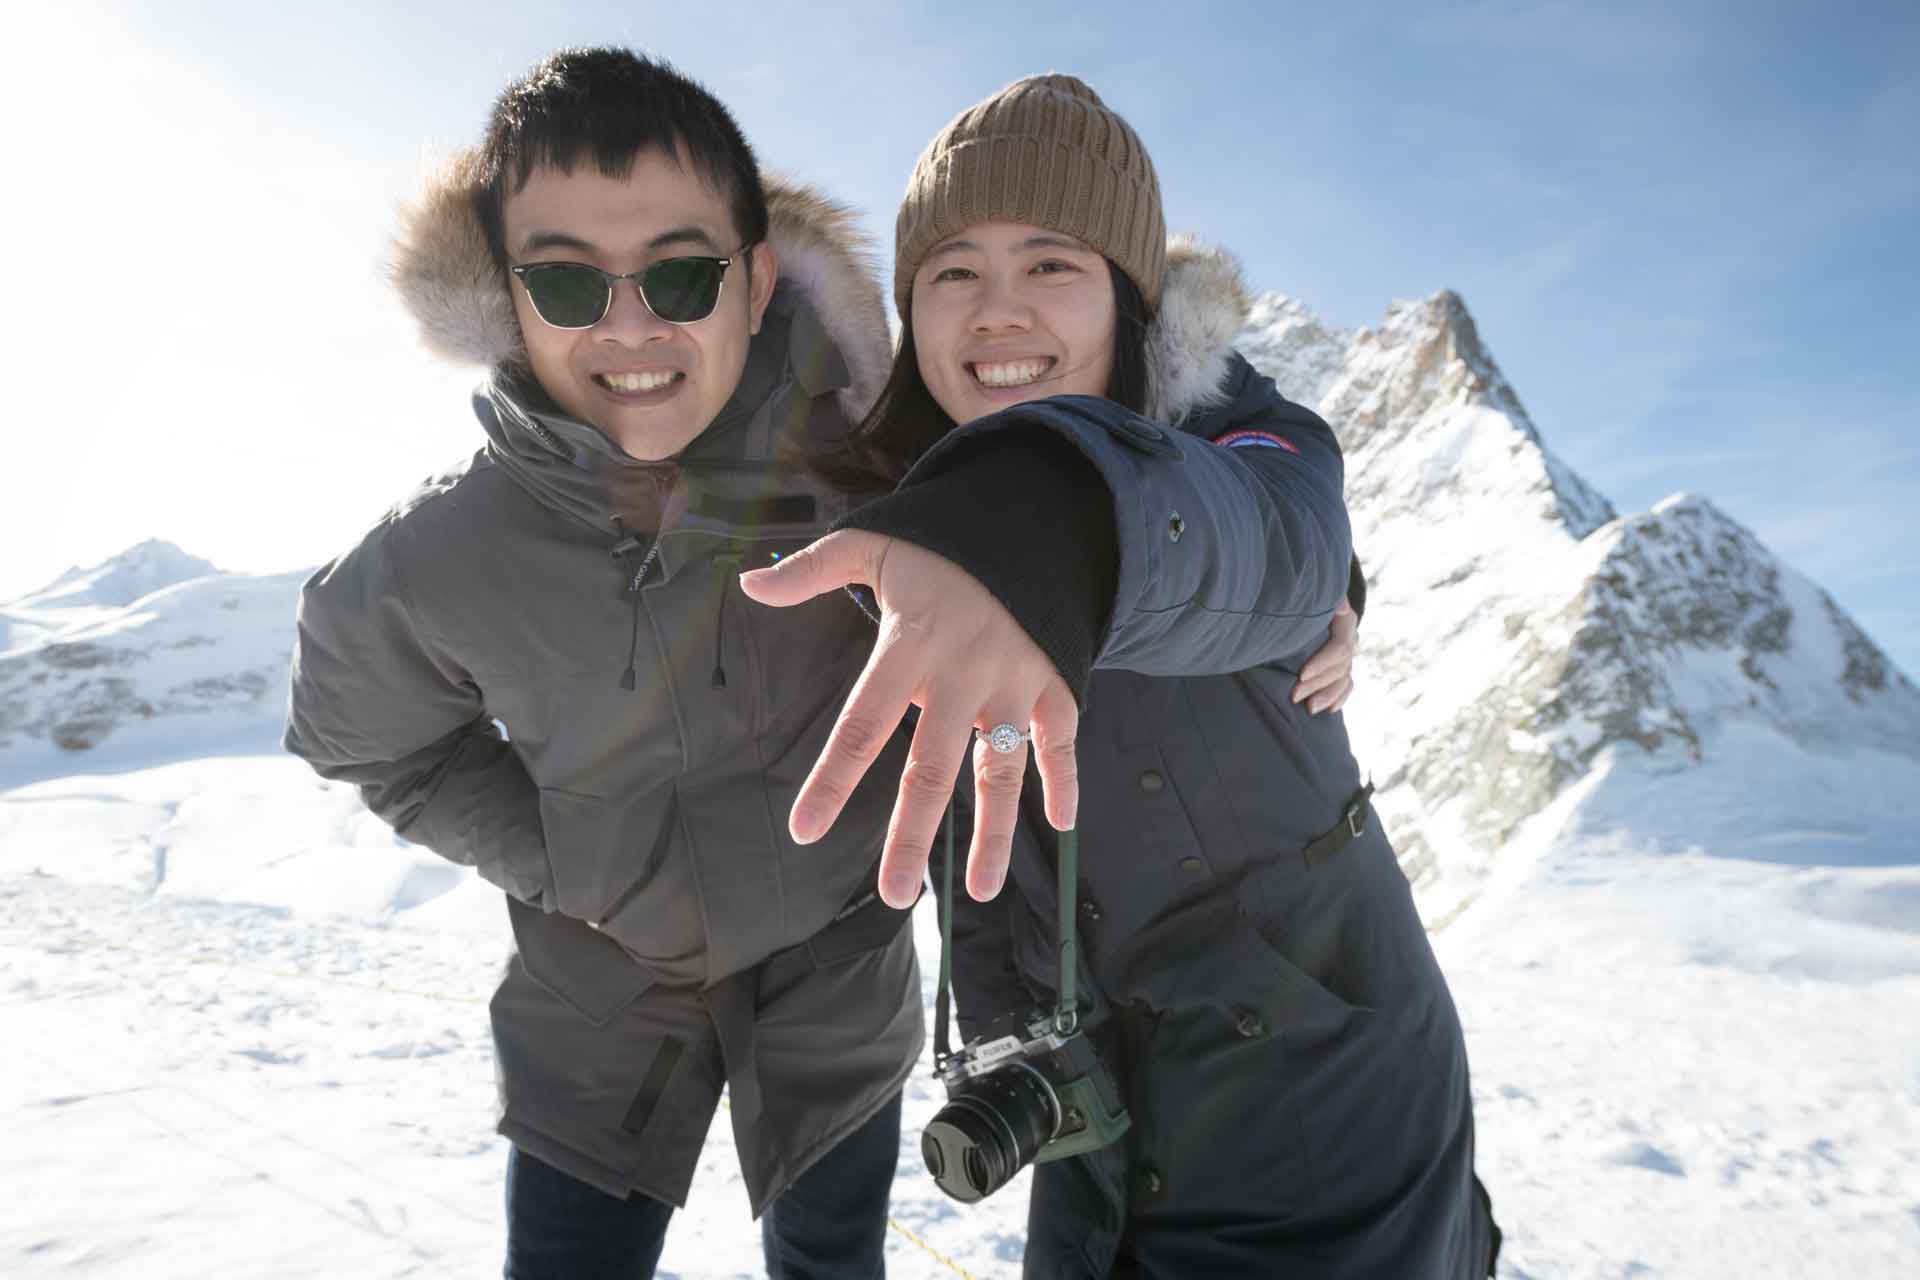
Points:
(906, 420)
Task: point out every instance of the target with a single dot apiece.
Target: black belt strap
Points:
(1352, 823)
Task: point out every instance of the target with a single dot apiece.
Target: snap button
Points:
(1175, 526)
(1249, 1025)
(1192, 864)
(1144, 436)
(1152, 781)
(1091, 910)
(1148, 1184)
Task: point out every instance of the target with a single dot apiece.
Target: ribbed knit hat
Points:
(1047, 152)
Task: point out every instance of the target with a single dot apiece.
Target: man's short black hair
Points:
(610, 105)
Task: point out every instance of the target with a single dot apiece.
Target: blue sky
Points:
(1689, 232)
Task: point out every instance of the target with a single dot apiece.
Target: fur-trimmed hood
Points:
(460, 298)
(1203, 306)
(448, 280)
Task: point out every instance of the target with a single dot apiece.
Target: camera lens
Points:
(990, 1129)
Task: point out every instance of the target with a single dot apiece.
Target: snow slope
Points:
(248, 1037)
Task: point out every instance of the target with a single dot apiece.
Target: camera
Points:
(1024, 1090)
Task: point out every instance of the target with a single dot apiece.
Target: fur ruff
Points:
(440, 265)
(1203, 307)
(446, 277)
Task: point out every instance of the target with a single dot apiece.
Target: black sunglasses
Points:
(574, 295)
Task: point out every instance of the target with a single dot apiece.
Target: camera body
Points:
(1022, 1091)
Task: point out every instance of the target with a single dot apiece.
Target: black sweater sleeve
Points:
(1027, 515)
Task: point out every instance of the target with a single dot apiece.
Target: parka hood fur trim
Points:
(444, 273)
(1203, 307)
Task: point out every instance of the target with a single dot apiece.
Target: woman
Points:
(1169, 538)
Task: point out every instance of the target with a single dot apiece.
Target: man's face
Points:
(648, 385)
(1004, 313)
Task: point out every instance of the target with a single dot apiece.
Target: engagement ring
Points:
(1004, 738)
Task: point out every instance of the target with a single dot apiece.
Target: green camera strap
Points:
(1066, 1013)
(941, 1049)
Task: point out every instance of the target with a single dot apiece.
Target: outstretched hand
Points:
(947, 646)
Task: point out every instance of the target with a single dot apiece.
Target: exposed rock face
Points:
(1516, 626)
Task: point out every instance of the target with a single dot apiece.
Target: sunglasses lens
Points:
(682, 290)
(566, 295)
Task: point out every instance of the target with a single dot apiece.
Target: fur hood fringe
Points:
(447, 279)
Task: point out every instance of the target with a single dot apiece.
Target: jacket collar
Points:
(573, 467)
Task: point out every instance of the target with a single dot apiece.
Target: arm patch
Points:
(1257, 440)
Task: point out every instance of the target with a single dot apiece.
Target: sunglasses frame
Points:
(612, 280)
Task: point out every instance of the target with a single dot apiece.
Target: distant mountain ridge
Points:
(153, 645)
(116, 582)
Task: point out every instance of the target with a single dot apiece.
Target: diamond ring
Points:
(1004, 738)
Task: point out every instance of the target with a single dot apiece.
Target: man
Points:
(537, 665)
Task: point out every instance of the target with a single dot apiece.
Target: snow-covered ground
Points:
(245, 1035)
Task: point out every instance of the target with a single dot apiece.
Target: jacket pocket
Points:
(591, 974)
(1299, 918)
(864, 925)
(578, 835)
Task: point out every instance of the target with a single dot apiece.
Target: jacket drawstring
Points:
(628, 544)
(734, 559)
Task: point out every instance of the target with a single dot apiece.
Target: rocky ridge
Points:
(1518, 627)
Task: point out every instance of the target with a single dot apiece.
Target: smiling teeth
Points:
(630, 382)
(1011, 373)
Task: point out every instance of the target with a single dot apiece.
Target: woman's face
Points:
(1004, 313)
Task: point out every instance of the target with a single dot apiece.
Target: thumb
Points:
(837, 560)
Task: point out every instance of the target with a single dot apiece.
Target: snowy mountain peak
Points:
(1519, 629)
(1688, 621)
(1425, 384)
(116, 582)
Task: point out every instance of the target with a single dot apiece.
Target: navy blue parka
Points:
(1287, 1046)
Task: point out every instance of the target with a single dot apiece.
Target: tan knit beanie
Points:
(1047, 152)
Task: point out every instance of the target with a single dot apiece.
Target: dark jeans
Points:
(829, 1225)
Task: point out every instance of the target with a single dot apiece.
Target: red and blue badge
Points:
(1257, 440)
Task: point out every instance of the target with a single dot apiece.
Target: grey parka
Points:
(521, 677)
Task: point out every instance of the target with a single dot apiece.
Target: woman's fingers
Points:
(926, 786)
(1331, 699)
(997, 778)
(1056, 729)
(1332, 663)
(874, 709)
(948, 646)
(827, 564)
